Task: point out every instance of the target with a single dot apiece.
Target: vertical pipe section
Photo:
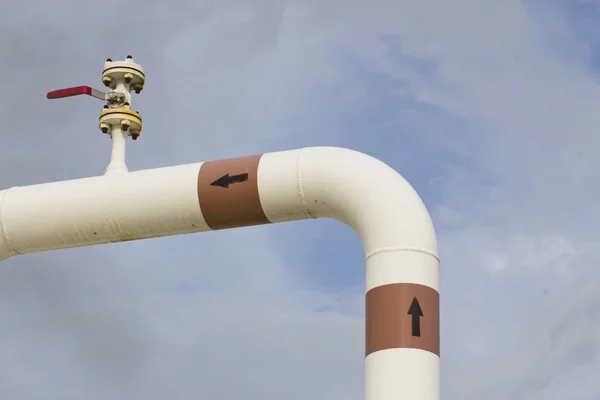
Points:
(402, 300)
(105, 209)
(117, 155)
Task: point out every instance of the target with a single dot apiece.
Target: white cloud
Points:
(564, 337)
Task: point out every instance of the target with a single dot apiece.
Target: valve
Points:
(116, 118)
(121, 77)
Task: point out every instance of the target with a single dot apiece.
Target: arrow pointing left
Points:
(227, 180)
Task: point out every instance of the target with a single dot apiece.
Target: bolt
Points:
(137, 112)
(104, 129)
(129, 57)
(134, 137)
(126, 104)
(105, 106)
(128, 77)
(108, 60)
(106, 80)
(138, 87)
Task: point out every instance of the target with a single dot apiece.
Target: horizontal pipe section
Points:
(228, 193)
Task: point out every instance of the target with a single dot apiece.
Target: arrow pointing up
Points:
(416, 313)
(227, 180)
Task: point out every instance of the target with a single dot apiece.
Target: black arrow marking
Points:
(416, 313)
(227, 180)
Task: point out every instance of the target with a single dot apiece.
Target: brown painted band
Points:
(228, 193)
(390, 311)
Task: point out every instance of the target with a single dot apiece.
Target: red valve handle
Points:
(76, 91)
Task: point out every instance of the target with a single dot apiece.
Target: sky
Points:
(489, 108)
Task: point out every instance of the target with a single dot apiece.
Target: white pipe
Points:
(117, 156)
(118, 137)
(402, 359)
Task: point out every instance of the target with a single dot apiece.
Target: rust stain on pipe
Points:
(393, 318)
(228, 193)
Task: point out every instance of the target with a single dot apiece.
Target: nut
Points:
(138, 87)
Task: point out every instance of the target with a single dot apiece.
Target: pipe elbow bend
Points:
(351, 187)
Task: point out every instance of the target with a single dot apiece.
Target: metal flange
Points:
(129, 121)
(123, 71)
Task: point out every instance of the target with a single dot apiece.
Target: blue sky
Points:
(489, 109)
